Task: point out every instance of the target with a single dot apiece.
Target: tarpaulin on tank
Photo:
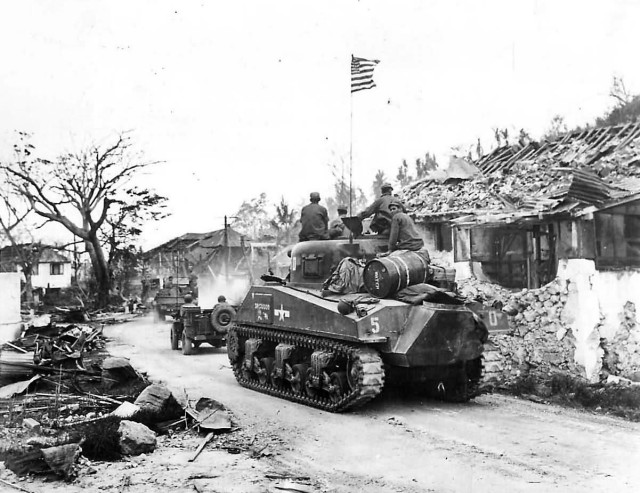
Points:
(347, 277)
(418, 293)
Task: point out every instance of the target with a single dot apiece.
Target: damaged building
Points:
(209, 264)
(552, 231)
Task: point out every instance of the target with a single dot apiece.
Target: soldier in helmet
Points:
(315, 220)
(381, 222)
(337, 228)
(188, 301)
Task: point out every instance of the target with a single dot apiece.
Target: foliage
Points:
(131, 209)
(626, 109)
(284, 223)
(403, 176)
(426, 166)
(378, 181)
(557, 127)
(252, 219)
(77, 191)
(344, 194)
(423, 168)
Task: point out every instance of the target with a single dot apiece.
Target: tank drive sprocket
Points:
(327, 374)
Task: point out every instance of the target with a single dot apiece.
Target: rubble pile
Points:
(538, 343)
(64, 399)
(537, 179)
(541, 343)
(453, 195)
(622, 352)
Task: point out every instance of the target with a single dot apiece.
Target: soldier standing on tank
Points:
(381, 222)
(337, 228)
(403, 234)
(314, 219)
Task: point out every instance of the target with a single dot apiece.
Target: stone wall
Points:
(582, 324)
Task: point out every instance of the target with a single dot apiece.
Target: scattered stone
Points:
(136, 438)
(31, 424)
(116, 371)
(157, 403)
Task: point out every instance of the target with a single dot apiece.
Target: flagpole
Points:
(351, 148)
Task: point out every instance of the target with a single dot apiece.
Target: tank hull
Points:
(431, 343)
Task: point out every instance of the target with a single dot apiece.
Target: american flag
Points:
(362, 73)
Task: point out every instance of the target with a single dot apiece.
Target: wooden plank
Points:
(201, 447)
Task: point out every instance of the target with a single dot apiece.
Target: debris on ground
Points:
(65, 400)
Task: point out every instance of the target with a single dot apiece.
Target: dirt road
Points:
(493, 444)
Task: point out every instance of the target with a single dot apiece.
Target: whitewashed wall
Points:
(45, 280)
(595, 308)
(9, 306)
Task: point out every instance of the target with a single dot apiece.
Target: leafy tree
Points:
(252, 218)
(77, 191)
(479, 149)
(556, 128)
(426, 166)
(378, 181)
(523, 138)
(344, 194)
(25, 254)
(403, 176)
(131, 209)
(284, 222)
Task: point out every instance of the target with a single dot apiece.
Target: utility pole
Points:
(226, 249)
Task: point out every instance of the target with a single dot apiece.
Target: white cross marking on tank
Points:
(281, 313)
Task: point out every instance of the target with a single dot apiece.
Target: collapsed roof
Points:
(583, 168)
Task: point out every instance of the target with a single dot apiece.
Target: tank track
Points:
(366, 361)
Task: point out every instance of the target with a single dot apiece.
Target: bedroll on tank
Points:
(388, 275)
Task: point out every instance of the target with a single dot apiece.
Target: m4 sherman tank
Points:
(298, 341)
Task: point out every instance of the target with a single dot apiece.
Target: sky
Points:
(237, 98)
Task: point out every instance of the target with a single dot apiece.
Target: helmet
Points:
(188, 298)
(314, 196)
(386, 186)
(397, 203)
(344, 307)
(342, 208)
(221, 299)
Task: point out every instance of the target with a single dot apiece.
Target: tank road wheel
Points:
(310, 388)
(175, 336)
(264, 372)
(299, 378)
(187, 345)
(233, 346)
(338, 386)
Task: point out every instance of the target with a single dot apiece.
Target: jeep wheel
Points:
(222, 317)
(187, 345)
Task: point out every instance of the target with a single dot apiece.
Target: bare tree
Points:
(76, 191)
(619, 91)
(14, 210)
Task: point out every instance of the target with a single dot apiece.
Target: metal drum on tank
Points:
(387, 275)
